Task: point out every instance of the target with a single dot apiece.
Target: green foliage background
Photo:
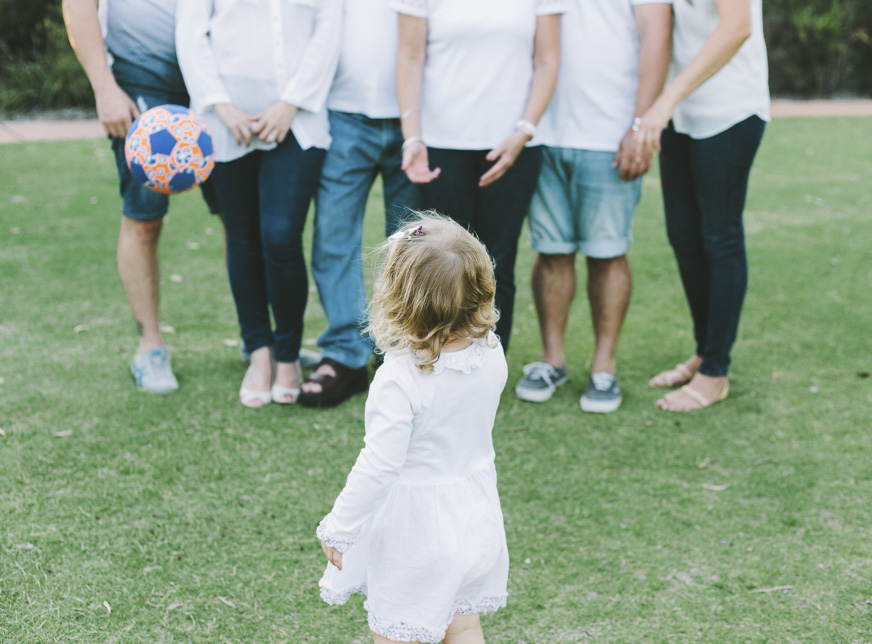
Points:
(816, 48)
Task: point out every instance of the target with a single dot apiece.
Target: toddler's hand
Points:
(333, 555)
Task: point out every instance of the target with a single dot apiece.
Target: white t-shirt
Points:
(365, 81)
(738, 91)
(478, 69)
(594, 102)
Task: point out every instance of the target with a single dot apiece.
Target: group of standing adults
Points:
(484, 110)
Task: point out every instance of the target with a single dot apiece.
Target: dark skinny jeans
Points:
(264, 198)
(705, 182)
(495, 213)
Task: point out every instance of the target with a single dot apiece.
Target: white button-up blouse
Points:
(253, 53)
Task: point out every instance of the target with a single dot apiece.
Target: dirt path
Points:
(45, 130)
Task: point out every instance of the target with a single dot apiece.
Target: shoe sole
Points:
(539, 395)
(599, 406)
(355, 386)
(156, 391)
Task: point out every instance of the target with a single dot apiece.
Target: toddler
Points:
(418, 528)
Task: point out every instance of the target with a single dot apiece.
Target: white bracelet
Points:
(409, 113)
(526, 127)
(636, 123)
(412, 140)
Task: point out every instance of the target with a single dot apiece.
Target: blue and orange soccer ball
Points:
(169, 149)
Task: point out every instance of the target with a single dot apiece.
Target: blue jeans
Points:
(264, 197)
(581, 205)
(705, 182)
(362, 148)
(495, 213)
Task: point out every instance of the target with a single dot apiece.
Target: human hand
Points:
(237, 121)
(273, 124)
(651, 127)
(505, 155)
(333, 555)
(416, 164)
(115, 110)
(630, 159)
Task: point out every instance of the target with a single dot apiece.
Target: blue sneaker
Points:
(152, 372)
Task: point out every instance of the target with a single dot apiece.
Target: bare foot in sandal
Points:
(681, 374)
(702, 391)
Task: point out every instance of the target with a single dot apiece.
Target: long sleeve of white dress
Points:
(389, 419)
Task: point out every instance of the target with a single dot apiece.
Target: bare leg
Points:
(259, 374)
(609, 285)
(140, 274)
(553, 291)
(288, 376)
(464, 629)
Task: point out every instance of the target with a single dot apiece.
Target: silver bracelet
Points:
(409, 113)
(526, 127)
(636, 123)
(412, 140)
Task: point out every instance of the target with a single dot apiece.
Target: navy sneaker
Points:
(602, 394)
(540, 381)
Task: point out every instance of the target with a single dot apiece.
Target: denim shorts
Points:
(140, 203)
(582, 205)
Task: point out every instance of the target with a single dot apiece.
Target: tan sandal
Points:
(698, 398)
(685, 375)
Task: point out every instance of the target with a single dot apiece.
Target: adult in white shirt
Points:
(258, 73)
(613, 65)
(718, 105)
(473, 79)
(367, 141)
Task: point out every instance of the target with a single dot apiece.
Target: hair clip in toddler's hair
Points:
(408, 234)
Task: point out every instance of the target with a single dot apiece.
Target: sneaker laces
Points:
(543, 371)
(602, 381)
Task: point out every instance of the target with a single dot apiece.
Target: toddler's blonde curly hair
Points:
(436, 284)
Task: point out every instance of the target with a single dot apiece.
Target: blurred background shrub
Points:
(817, 48)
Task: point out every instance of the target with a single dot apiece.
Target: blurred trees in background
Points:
(816, 48)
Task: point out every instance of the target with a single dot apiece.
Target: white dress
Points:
(419, 521)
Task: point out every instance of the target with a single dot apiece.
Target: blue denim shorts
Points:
(581, 205)
(140, 203)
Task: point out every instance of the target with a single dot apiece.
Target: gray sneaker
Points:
(152, 372)
(602, 394)
(539, 381)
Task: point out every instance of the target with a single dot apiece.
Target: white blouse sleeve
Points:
(390, 412)
(310, 84)
(548, 7)
(416, 8)
(196, 58)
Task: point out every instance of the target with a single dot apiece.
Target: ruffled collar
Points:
(464, 360)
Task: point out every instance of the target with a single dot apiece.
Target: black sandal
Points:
(334, 389)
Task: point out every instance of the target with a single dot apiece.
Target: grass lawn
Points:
(188, 518)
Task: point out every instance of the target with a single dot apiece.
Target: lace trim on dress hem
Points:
(403, 632)
(335, 598)
(340, 543)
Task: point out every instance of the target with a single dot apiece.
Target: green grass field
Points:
(132, 518)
